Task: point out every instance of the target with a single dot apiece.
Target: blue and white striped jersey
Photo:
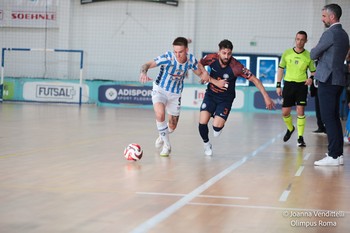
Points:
(172, 73)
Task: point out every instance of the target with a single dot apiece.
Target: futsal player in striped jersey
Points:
(297, 62)
(219, 96)
(167, 87)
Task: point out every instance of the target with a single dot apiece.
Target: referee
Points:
(294, 64)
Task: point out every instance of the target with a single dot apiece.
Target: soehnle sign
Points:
(29, 13)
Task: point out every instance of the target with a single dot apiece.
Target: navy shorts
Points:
(216, 106)
(294, 94)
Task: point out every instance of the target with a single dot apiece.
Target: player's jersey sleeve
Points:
(163, 59)
(208, 59)
(239, 69)
(193, 62)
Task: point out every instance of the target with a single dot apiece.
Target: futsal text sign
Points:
(53, 92)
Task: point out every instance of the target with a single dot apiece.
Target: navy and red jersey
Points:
(233, 70)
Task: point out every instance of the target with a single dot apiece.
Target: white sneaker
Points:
(159, 142)
(165, 151)
(327, 161)
(207, 149)
(341, 160)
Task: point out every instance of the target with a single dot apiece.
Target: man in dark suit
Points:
(330, 52)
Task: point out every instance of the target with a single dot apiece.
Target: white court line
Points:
(300, 170)
(307, 156)
(181, 195)
(152, 222)
(284, 195)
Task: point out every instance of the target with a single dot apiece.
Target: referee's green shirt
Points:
(296, 65)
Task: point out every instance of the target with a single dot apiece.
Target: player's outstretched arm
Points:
(268, 102)
(143, 71)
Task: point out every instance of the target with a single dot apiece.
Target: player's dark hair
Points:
(335, 9)
(182, 41)
(303, 33)
(226, 44)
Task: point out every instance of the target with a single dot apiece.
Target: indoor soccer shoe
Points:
(301, 142)
(288, 134)
(207, 149)
(159, 142)
(165, 151)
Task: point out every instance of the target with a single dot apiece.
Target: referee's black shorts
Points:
(294, 94)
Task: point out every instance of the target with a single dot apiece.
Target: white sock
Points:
(163, 132)
(216, 133)
(169, 129)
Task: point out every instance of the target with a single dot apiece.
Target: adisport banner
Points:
(125, 94)
(192, 97)
(29, 13)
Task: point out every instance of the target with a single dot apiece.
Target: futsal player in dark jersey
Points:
(220, 94)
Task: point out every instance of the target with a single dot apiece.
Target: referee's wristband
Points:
(278, 85)
(312, 77)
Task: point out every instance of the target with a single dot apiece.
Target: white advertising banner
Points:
(54, 92)
(29, 13)
(192, 97)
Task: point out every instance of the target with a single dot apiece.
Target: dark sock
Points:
(203, 131)
(217, 129)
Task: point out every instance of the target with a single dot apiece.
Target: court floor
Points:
(62, 170)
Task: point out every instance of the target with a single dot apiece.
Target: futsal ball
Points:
(133, 152)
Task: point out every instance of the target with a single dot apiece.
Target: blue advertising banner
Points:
(125, 94)
(260, 104)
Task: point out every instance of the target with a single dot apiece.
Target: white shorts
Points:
(172, 101)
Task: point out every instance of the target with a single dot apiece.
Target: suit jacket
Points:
(330, 52)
